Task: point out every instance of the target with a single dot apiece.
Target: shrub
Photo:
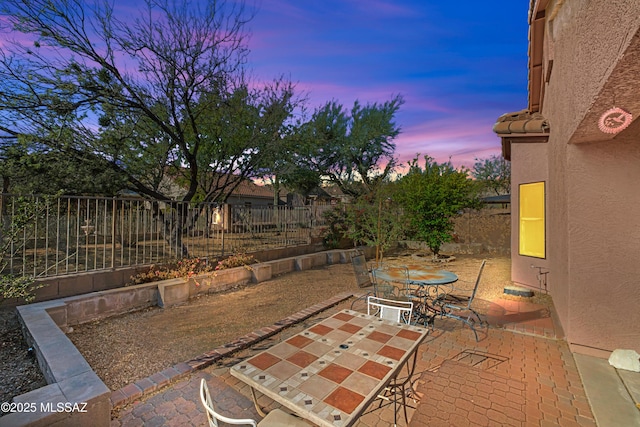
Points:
(189, 267)
(238, 260)
(335, 232)
(12, 286)
(186, 268)
(26, 212)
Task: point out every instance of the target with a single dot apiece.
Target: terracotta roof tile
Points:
(521, 122)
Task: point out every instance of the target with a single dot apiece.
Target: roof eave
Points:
(537, 22)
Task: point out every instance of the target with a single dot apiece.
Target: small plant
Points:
(186, 268)
(238, 260)
(335, 232)
(12, 286)
(26, 213)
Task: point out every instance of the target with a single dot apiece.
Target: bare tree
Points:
(158, 96)
(493, 174)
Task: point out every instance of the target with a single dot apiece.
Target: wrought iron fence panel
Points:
(45, 236)
(257, 228)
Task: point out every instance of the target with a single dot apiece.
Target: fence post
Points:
(113, 234)
(223, 220)
(286, 226)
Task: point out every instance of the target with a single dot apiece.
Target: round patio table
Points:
(423, 287)
(419, 274)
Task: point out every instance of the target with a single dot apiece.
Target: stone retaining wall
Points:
(72, 382)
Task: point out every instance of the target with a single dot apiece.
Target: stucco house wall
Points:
(604, 245)
(585, 60)
(535, 157)
(594, 194)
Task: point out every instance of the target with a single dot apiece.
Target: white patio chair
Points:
(275, 418)
(396, 391)
(396, 311)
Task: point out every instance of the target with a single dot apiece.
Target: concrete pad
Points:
(519, 291)
(610, 400)
(631, 381)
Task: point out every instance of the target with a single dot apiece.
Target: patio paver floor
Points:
(517, 374)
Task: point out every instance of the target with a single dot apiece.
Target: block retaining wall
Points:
(71, 381)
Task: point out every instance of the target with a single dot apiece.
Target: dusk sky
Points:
(459, 65)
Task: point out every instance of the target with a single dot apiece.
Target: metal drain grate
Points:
(475, 358)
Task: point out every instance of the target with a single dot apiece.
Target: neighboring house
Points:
(252, 195)
(322, 195)
(247, 193)
(336, 195)
(575, 157)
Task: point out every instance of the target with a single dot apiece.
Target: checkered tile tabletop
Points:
(330, 372)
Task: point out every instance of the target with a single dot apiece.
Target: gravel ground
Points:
(19, 372)
(126, 348)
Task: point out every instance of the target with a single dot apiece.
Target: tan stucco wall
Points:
(534, 156)
(593, 195)
(604, 244)
(585, 41)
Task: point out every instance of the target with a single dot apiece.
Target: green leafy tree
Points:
(278, 164)
(154, 97)
(493, 174)
(301, 180)
(432, 196)
(353, 150)
(376, 219)
(39, 170)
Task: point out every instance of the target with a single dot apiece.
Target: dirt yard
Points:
(130, 347)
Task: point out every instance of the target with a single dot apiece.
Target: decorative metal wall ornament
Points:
(614, 120)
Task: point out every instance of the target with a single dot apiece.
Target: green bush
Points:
(12, 286)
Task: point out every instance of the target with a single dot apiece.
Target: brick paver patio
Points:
(519, 374)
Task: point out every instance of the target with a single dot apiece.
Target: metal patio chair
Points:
(396, 391)
(458, 306)
(363, 277)
(385, 289)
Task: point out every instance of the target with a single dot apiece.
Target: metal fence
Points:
(44, 237)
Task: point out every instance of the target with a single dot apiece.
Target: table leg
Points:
(255, 403)
(423, 312)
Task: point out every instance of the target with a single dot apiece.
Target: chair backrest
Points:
(396, 311)
(361, 271)
(475, 287)
(212, 415)
(383, 287)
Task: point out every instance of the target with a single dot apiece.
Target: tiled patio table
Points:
(330, 372)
